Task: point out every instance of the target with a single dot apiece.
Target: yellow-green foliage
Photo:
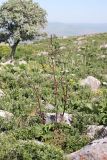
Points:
(4, 50)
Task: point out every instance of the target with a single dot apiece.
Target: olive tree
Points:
(20, 20)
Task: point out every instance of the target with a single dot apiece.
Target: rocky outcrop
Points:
(96, 150)
(91, 82)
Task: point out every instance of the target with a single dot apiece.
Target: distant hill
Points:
(63, 29)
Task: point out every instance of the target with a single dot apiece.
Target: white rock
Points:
(9, 62)
(92, 82)
(6, 115)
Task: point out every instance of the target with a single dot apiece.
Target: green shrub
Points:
(27, 150)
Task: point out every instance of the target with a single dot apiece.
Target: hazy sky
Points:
(75, 11)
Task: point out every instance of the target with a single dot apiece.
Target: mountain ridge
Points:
(73, 29)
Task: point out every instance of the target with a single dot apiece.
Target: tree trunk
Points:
(13, 49)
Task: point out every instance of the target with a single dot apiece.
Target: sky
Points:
(75, 11)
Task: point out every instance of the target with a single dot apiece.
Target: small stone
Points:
(91, 82)
(6, 115)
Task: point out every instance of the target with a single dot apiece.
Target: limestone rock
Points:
(96, 150)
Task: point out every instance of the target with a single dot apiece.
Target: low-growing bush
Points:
(27, 150)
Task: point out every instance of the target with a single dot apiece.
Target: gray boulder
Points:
(96, 150)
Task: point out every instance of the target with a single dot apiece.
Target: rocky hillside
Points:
(53, 99)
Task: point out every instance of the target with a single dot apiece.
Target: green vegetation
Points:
(54, 78)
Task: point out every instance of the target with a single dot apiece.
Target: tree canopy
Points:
(21, 20)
